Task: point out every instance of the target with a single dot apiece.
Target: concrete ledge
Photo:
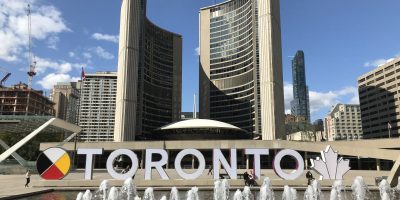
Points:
(183, 183)
(25, 194)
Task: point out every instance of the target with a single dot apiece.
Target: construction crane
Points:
(4, 79)
(31, 59)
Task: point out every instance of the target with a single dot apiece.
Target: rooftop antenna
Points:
(31, 59)
(194, 106)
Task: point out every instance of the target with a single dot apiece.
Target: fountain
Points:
(192, 194)
(222, 187)
(359, 188)
(79, 196)
(220, 190)
(289, 193)
(293, 192)
(313, 191)
(396, 190)
(174, 195)
(103, 189)
(398, 185)
(336, 192)
(88, 195)
(128, 190)
(238, 195)
(247, 195)
(308, 194)
(225, 187)
(385, 190)
(113, 194)
(266, 193)
(149, 194)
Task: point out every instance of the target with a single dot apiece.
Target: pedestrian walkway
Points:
(14, 185)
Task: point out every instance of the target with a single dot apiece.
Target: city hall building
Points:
(241, 67)
(149, 74)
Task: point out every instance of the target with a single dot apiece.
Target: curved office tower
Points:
(149, 74)
(240, 66)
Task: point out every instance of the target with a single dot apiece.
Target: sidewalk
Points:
(14, 185)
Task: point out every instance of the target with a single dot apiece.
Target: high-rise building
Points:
(380, 100)
(241, 66)
(343, 122)
(20, 100)
(300, 105)
(65, 95)
(97, 106)
(149, 74)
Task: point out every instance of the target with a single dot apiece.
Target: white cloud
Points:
(87, 55)
(197, 51)
(46, 22)
(322, 100)
(51, 79)
(105, 37)
(380, 62)
(71, 54)
(59, 67)
(52, 42)
(288, 94)
(102, 53)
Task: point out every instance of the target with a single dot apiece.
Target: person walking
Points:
(210, 170)
(28, 178)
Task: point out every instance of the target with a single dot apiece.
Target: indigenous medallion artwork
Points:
(53, 164)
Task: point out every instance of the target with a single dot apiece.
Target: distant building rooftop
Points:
(194, 129)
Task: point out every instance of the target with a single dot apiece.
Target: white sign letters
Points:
(218, 161)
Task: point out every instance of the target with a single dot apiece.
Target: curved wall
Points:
(149, 74)
(232, 64)
(161, 78)
(240, 66)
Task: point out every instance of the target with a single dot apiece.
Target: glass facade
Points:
(157, 74)
(149, 74)
(240, 62)
(233, 64)
(300, 106)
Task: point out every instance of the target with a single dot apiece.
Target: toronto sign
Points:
(54, 163)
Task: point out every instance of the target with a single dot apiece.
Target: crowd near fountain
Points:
(359, 191)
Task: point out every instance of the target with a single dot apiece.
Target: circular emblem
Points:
(53, 164)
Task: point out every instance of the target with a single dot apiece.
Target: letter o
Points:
(299, 160)
(198, 155)
(114, 155)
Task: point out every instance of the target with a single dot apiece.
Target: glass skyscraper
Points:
(300, 105)
(241, 66)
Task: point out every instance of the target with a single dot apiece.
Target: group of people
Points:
(249, 179)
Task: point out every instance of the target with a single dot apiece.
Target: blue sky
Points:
(341, 39)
